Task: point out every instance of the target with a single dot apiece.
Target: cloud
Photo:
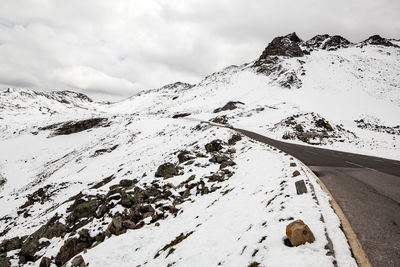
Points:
(89, 79)
(116, 48)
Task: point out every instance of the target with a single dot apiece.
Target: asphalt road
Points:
(366, 188)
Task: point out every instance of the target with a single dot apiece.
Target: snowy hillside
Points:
(144, 182)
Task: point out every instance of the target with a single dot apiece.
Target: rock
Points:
(128, 224)
(167, 170)
(378, 40)
(45, 262)
(127, 182)
(299, 233)
(323, 124)
(293, 164)
(282, 46)
(231, 105)
(74, 246)
(185, 156)
(2, 180)
(11, 244)
(293, 37)
(104, 150)
(180, 115)
(215, 178)
(116, 227)
(327, 42)
(227, 163)
(31, 245)
(214, 146)
(218, 158)
(295, 173)
(76, 126)
(4, 261)
(78, 261)
(234, 139)
(301, 187)
(83, 209)
(335, 42)
(127, 200)
(220, 119)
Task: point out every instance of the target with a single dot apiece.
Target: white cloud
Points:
(118, 47)
(89, 79)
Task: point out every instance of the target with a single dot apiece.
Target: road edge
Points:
(355, 245)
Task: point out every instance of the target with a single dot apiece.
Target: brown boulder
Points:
(299, 233)
(295, 173)
(78, 261)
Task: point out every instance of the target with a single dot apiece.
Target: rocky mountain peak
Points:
(326, 42)
(283, 46)
(378, 40)
(293, 37)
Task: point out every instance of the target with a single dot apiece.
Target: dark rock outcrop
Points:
(74, 246)
(83, 209)
(293, 37)
(185, 156)
(45, 262)
(167, 170)
(78, 261)
(378, 40)
(283, 46)
(326, 42)
(4, 261)
(214, 146)
(71, 127)
(31, 245)
(231, 105)
(234, 139)
(11, 244)
(180, 115)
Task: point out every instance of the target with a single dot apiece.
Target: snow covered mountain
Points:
(146, 182)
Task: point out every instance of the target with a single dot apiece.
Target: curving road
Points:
(366, 188)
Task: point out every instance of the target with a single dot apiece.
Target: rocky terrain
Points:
(154, 181)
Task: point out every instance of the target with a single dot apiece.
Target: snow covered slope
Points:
(145, 182)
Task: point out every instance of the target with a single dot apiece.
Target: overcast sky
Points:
(112, 49)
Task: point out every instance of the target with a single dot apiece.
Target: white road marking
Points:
(354, 164)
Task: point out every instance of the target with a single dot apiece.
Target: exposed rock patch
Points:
(220, 119)
(180, 115)
(377, 128)
(283, 46)
(326, 42)
(378, 40)
(72, 127)
(214, 146)
(167, 170)
(231, 105)
(31, 244)
(234, 139)
(311, 128)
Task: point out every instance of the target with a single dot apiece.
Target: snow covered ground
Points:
(79, 177)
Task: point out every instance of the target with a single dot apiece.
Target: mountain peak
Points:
(378, 40)
(283, 46)
(293, 37)
(327, 42)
